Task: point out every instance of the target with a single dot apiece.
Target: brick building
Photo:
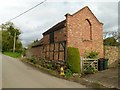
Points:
(81, 30)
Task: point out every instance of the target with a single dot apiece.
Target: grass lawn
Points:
(11, 54)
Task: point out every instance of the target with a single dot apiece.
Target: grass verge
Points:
(13, 54)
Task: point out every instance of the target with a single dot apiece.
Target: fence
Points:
(89, 62)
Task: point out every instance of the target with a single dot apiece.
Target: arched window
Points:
(90, 29)
(87, 33)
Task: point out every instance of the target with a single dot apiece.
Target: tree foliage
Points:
(8, 31)
(114, 34)
(111, 41)
(35, 41)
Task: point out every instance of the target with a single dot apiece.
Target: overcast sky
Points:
(43, 17)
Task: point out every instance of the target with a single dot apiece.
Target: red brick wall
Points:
(46, 39)
(79, 34)
(59, 35)
(36, 51)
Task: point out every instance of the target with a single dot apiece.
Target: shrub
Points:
(92, 54)
(68, 73)
(49, 66)
(55, 66)
(24, 52)
(73, 59)
(89, 70)
(32, 60)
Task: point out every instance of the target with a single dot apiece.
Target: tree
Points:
(10, 35)
(6, 38)
(111, 34)
(35, 41)
(111, 41)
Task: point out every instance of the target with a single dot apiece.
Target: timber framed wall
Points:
(55, 51)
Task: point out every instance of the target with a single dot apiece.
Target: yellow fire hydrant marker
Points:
(62, 71)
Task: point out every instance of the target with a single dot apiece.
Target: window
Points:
(90, 29)
(52, 37)
(87, 33)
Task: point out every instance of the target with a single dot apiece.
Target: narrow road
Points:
(16, 74)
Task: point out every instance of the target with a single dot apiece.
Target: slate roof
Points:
(39, 43)
(56, 27)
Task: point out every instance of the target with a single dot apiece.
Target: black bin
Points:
(105, 65)
(102, 64)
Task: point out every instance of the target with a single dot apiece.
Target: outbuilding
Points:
(81, 30)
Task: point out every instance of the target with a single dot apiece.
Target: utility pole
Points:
(14, 42)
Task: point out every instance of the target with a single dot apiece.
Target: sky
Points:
(46, 15)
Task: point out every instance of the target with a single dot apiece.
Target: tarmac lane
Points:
(16, 74)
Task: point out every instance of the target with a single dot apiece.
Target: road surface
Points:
(16, 74)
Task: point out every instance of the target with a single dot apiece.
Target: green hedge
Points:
(73, 59)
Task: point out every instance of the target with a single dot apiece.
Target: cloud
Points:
(43, 17)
